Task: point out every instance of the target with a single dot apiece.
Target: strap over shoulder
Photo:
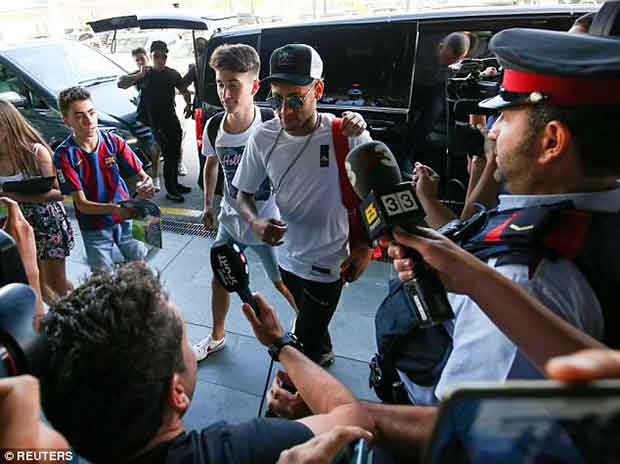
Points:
(350, 200)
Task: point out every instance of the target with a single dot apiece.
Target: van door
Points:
(367, 68)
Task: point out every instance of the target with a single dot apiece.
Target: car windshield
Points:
(127, 44)
(61, 65)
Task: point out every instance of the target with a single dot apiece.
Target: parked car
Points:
(33, 74)
(374, 65)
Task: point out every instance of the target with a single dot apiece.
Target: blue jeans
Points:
(100, 243)
(266, 253)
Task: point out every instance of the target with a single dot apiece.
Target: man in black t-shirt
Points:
(141, 59)
(122, 373)
(158, 86)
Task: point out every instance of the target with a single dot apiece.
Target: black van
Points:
(32, 74)
(374, 65)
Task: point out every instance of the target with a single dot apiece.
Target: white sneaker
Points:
(157, 184)
(206, 346)
(182, 169)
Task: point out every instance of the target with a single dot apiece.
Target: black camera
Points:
(22, 351)
(11, 267)
(469, 80)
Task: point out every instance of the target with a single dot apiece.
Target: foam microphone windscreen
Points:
(372, 166)
(229, 266)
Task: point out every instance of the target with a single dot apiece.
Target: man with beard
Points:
(554, 150)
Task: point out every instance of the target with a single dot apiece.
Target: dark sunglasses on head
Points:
(292, 101)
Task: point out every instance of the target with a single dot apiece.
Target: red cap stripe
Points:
(564, 90)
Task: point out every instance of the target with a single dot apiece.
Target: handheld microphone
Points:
(388, 202)
(230, 268)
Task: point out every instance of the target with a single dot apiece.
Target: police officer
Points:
(556, 140)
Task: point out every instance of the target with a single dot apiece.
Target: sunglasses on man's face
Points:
(293, 102)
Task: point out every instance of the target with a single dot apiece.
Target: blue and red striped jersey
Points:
(97, 174)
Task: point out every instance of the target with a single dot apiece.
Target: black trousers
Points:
(169, 136)
(317, 303)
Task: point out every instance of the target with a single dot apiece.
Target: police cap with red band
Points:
(561, 68)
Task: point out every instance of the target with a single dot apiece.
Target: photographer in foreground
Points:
(122, 374)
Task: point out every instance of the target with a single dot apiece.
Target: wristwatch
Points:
(279, 343)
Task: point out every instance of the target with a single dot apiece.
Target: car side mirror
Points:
(19, 101)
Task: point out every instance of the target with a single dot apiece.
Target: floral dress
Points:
(53, 232)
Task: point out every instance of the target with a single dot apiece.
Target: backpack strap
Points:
(350, 200)
(212, 127)
(266, 114)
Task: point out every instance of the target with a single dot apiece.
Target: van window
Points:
(211, 96)
(364, 65)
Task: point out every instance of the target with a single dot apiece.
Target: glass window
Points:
(9, 82)
(128, 44)
(61, 65)
(362, 65)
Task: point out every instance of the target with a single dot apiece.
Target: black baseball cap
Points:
(159, 46)
(297, 64)
(561, 68)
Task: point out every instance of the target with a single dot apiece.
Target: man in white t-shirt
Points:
(236, 73)
(297, 153)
